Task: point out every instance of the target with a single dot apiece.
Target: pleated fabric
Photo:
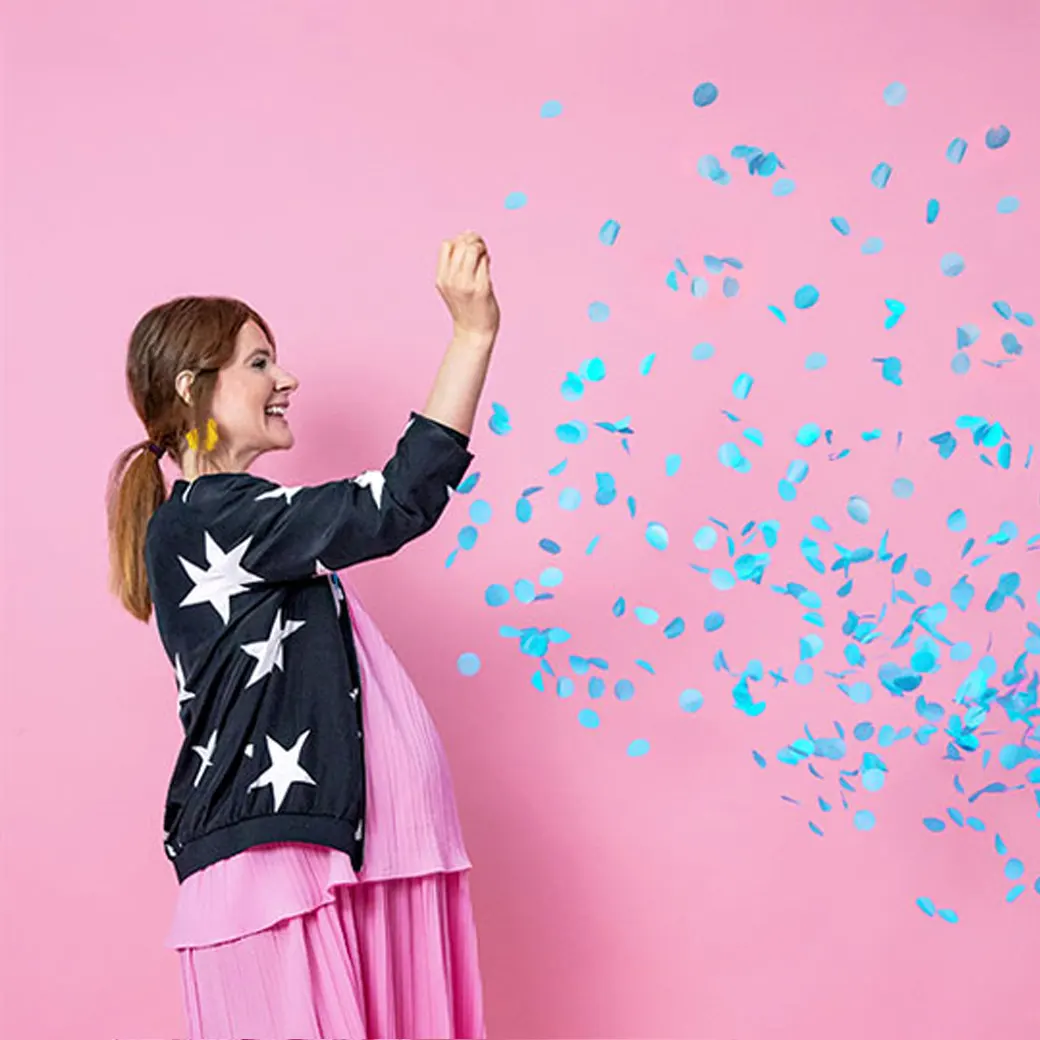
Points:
(383, 961)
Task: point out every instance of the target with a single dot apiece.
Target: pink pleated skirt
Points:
(383, 960)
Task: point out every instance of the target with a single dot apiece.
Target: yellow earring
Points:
(211, 436)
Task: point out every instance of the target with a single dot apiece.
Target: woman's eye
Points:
(260, 362)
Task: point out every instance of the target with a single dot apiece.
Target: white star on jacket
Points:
(268, 652)
(285, 769)
(226, 577)
(206, 756)
(277, 492)
(183, 695)
(374, 480)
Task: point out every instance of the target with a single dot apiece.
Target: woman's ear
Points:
(182, 384)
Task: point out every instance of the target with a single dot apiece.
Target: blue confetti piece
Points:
(722, 579)
(808, 435)
(903, 488)
(647, 364)
(672, 464)
(575, 432)
(926, 905)
(956, 149)
(699, 287)
(480, 512)
(657, 536)
(705, 538)
(468, 664)
(1014, 869)
(551, 109)
(467, 537)
(638, 748)
(516, 200)
(496, 595)
(598, 311)
(691, 700)
(949, 916)
(705, 94)
(872, 246)
(931, 214)
(714, 621)
(896, 310)
(742, 386)
(895, 94)
(880, 175)
(777, 313)
(784, 186)
(1008, 204)
(859, 509)
(864, 820)
(806, 297)
(730, 287)
(934, 824)
(841, 225)
(952, 264)
(703, 351)
(1015, 892)
(588, 718)
(609, 232)
(873, 779)
(815, 361)
(960, 364)
(674, 628)
(997, 137)
(499, 423)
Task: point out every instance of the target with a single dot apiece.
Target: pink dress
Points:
(287, 941)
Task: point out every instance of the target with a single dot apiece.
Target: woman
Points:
(310, 817)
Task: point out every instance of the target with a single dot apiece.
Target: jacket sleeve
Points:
(295, 533)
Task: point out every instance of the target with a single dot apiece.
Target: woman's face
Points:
(249, 402)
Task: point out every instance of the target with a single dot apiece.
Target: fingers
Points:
(482, 275)
(460, 258)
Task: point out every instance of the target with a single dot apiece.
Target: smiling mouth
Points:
(275, 412)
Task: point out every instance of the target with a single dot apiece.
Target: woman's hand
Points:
(464, 282)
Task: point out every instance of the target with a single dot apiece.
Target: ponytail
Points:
(136, 489)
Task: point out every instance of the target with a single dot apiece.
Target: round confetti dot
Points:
(588, 718)
(902, 487)
(815, 361)
(480, 512)
(784, 186)
(806, 297)
(997, 137)
(859, 509)
(705, 94)
(956, 149)
(949, 915)
(550, 578)
(524, 591)
(468, 664)
(624, 689)
(864, 820)
(598, 311)
(1014, 869)
(895, 94)
(841, 225)
(926, 905)
(638, 748)
(703, 351)
(594, 370)
(952, 264)
(468, 538)
(705, 538)
(1008, 204)
(872, 246)
(803, 675)
(873, 779)
(960, 364)
(551, 109)
(516, 200)
(722, 579)
(691, 700)
(570, 499)
(496, 595)
(657, 536)
(714, 621)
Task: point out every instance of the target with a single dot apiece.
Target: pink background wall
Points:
(309, 157)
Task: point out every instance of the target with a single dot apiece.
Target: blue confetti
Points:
(872, 246)
(806, 297)
(609, 232)
(859, 509)
(742, 386)
(841, 225)
(931, 214)
(952, 264)
(516, 200)
(551, 109)
(997, 137)
(784, 186)
(598, 311)
(864, 820)
(1008, 204)
(956, 149)
(714, 621)
(691, 700)
(815, 361)
(895, 94)
(468, 664)
(588, 718)
(703, 351)
(657, 536)
(880, 175)
(638, 748)
(902, 488)
(705, 94)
